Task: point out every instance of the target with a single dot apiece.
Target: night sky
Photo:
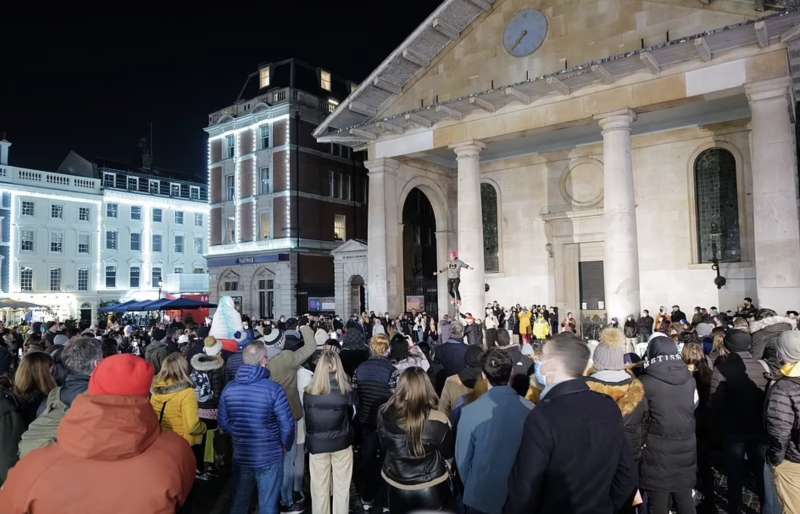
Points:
(92, 81)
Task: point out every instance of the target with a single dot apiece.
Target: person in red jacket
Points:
(111, 455)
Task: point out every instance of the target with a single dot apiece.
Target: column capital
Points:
(616, 120)
(381, 166)
(768, 89)
(468, 149)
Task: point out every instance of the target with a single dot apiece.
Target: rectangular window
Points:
(111, 277)
(26, 279)
(263, 77)
(198, 219)
(136, 241)
(332, 104)
(198, 270)
(174, 189)
(83, 279)
(26, 240)
(57, 211)
(133, 183)
(178, 270)
(230, 230)
(194, 193)
(158, 215)
(178, 244)
(83, 243)
(27, 208)
(230, 145)
(325, 80)
(156, 277)
(56, 242)
(231, 286)
(264, 133)
(136, 212)
(340, 227)
(265, 184)
(153, 187)
(179, 217)
(55, 279)
(198, 245)
(230, 190)
(264, 224)
(83, 214)
(346, 187)
(111, 240)
(109, 179)
(111, 210)
(134, 276)
(156, 242)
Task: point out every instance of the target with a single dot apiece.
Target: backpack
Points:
(12, 425)
(202, 386)
(44, 429)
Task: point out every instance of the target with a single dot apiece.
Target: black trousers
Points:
(452, 288)
(743, 456)
(659, 502)
(436, 498)
(372, 488)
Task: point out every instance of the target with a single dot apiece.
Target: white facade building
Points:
(90, 234)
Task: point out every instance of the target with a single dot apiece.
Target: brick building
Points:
(279, 200)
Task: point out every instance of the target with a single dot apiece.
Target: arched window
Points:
(717, 206)
(491, 243)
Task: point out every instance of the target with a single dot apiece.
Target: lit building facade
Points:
(279, 200)
(90, 234)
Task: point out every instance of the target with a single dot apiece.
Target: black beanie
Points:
(738, 341)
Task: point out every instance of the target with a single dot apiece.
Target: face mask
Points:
(538, 374)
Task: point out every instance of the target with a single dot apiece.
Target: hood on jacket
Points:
(108, 428)
(203, 362)
(74, 385)
(627, 394)
(248, 374)
(664, 363)
(771, 322)
(162, 388)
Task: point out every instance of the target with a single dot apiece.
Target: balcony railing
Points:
(24, 176)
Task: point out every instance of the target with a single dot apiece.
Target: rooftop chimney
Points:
(4, 146)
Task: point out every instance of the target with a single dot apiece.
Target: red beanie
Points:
(121, 375)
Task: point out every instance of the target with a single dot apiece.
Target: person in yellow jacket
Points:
(174, 402)
(525, 325)
(541, 328)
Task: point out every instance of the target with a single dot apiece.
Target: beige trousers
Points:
(787, 482)
(323, 467)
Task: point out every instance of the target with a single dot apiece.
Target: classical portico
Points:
(602, 188)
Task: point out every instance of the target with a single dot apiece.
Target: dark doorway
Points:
(86, 313)
(357, 294)
(419, 250)
(592, 290)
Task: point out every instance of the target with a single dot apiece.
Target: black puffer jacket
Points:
(782, 415)
(373, 381)
(328, 421)
(669, 454)
(737, 395)
(403, 469)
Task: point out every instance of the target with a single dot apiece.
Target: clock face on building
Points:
(525, 33)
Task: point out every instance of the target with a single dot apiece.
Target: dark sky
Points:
(91, 81)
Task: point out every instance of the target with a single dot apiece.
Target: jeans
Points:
(300, 469)
(659, 502)
(737, 467)
(770, 504)
(287, 483)
(267, 480)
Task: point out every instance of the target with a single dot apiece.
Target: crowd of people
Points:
(509, 412)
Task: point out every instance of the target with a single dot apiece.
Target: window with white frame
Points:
(178, 270)
(194, 193)
(265, 183)
(230, 143)
(264, 225)
(56, 242)
(174, 189)
(26, 240)
(111, 277)
(57, 211)
(156, 277)
(83, 279)
(179, 217)
(55, 279)
(109, 179)
(156, 247)
(158, 215)
(263, 132)
(27, 208)
(332, 104)
(83, 243)
(198, 245)
(178, 244)
(83, 214)
(26, 279)
(136, 212)
(134, 276)
(112, 210)
(111, 240)
(263, 77)
(198, 219)
(133, 183)
(230, 188)
(340, 227)
(230, 230)
(325, 80)
(136, 241)
(152, 186)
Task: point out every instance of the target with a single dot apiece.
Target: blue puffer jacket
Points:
(255, 412)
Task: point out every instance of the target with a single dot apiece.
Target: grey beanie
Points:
(60, 340)
(610, 353)
(789, 346)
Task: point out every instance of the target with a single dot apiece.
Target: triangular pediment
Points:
(350, 246)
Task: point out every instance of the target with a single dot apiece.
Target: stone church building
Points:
(594, 155)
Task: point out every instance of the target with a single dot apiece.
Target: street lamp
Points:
(719, 280)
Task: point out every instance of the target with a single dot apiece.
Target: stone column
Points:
(775, 207)
(383, 237)
(470, 227)
(621, 265)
